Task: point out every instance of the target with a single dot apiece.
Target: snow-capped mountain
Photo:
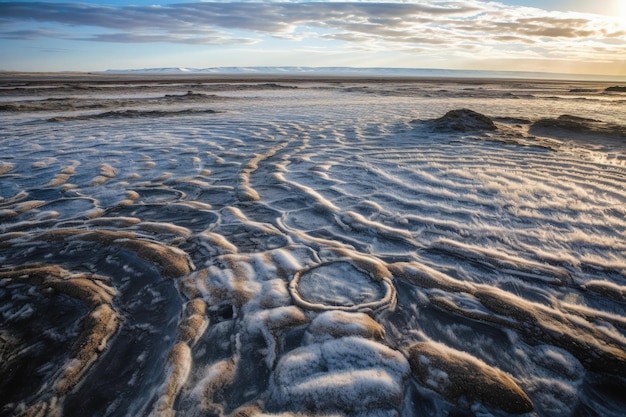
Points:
(354, 71)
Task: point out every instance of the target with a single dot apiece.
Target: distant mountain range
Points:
(293, 70)
(367, 72)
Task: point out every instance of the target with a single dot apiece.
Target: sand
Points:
(264, 245)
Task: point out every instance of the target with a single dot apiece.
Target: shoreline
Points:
(10, 78)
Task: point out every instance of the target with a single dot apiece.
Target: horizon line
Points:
(298, 70)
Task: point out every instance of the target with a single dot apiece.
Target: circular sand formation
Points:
(341, 286)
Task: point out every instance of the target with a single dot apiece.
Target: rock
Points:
(565, 122)
(463, 120)
(578, 125)
(616, 89)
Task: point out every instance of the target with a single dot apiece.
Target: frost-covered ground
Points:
(314, 247)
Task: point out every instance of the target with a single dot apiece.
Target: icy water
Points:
(312, 248)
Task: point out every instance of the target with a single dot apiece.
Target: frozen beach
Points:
(320, 246)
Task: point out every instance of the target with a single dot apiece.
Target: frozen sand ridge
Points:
(97, 326)
(456, 374)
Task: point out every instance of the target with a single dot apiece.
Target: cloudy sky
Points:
(583, 37)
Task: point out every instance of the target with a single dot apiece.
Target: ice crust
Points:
(343, 248)
(346, 374)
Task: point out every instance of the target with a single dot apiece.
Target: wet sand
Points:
(212, 245)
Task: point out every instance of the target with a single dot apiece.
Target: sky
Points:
(576, 36)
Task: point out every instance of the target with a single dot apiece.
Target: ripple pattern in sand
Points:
(329, 263)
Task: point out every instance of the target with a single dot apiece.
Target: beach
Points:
(311, 245)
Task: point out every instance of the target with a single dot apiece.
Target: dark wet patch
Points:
(130, 114)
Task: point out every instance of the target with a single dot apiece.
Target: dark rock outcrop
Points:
(462, 120)
(578, 125)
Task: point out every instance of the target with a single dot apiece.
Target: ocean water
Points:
(313, 247)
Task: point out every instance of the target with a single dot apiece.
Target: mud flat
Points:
(332, 246)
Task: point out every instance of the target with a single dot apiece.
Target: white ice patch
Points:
(348, 374)
(342, 286)
(334, 324)
(558, 361)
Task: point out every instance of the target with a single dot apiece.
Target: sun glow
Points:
(621, 11)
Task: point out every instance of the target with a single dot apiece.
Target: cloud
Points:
(168, 38)
(261, 17)
(28, 34)
(460, 26)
